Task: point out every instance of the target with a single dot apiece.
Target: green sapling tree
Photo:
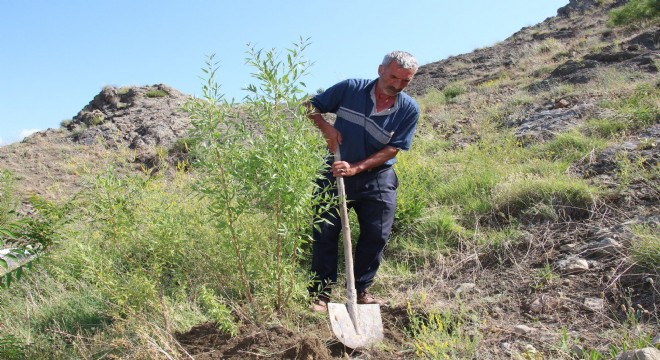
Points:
(258, 161)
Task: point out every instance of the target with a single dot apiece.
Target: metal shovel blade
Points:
(365, 331)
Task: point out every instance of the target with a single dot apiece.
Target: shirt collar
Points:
(389, 111)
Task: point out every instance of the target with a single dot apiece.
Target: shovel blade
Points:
(370, 325)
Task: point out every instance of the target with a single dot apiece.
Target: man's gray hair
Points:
(404, 59)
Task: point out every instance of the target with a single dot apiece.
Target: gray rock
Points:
(605, 247)
(578, 351)
(522, 330)
(594, 304)
(465, 288)
(536, 306)
(648, 353)
(530, 349)
(573, 265)
(656, 341)
(543, 125)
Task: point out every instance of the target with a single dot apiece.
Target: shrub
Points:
(634, 11)
(452, 91)
(156, 93)
(24, 237)
(65, 123)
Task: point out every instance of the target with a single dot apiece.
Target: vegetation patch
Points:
(645, 247)
(635, 11)
(443, 334)
(156, 93)
(534, 198)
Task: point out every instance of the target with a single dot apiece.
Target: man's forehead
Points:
(403, 73)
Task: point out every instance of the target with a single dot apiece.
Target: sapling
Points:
(258, 160)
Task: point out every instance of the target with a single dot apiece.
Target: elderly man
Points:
(375, 120)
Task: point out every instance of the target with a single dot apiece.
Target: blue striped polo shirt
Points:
(363, 130)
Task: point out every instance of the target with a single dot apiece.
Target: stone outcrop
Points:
(139, 117)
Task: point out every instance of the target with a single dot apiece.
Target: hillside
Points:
(537, 240)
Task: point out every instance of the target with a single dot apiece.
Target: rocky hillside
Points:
(142, 122)
(560, 292)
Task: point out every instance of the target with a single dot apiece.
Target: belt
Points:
(379, 168)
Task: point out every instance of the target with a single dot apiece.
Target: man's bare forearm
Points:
(331, 135)
(376, 159)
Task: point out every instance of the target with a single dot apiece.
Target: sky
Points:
(55, 56)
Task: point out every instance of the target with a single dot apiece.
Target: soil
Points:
(205, 341)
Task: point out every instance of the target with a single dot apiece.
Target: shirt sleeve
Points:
(330, 100)
(403, 135)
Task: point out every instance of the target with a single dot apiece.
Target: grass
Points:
(635, 11)
(645, 249)
(156, 93)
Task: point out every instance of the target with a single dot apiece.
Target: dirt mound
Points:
(205, 341)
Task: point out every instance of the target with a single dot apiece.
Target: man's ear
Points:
(380, 70)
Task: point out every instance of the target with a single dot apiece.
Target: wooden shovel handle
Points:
(351, 295)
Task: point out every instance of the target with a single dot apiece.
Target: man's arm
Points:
(331, 135)
(342, 168)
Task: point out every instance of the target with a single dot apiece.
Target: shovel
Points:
(356, 326)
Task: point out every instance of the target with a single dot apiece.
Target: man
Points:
(375, 120)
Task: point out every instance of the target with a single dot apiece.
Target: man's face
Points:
(393, 78)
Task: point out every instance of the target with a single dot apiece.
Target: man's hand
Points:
(343, 169)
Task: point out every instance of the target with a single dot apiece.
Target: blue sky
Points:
(57, 55)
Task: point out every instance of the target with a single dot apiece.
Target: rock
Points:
(573, 265)
(571, 68)
(648, 39)
(543, 125)
(536, 306)
(562, 104)
(605, 247)
(578, 351)
(544, 304)
(568, 247)
(594, 304)
(648, 353)
(656, 341)
(506, 347)
(522, 330)
(464, 288)
(576, 7)
(496, 312)
(530, 349)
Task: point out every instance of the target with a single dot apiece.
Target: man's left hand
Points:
(342, 168)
